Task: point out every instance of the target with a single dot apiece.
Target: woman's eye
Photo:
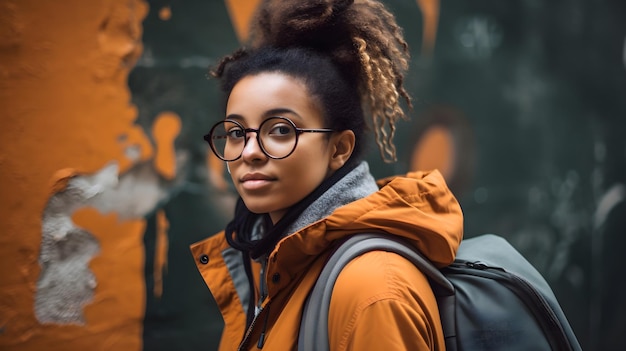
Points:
(236, 133)
(280, 129)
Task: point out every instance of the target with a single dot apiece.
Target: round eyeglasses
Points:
(277, 137)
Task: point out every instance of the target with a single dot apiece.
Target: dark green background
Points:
(534, 92)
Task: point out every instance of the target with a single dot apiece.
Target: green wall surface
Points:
(534, 94)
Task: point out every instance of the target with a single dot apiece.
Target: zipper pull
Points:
(261, 342)
(477, 265)
(481, 266)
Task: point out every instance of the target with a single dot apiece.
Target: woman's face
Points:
(269, 185)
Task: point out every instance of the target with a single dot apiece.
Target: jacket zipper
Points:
(246, 338)
(263, 292)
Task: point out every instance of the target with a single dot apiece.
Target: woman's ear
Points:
(342, 144)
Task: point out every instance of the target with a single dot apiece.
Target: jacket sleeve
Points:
(382, 302)
(391, 324)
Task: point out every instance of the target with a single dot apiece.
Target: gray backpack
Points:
(490, 298)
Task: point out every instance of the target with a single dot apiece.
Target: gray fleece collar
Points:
(357, 184)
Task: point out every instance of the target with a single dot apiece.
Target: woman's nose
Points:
(252, 150)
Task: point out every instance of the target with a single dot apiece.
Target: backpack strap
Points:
(313, 334)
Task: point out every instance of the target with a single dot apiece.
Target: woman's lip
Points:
(255, 184)
(254, 176)
(255, 181)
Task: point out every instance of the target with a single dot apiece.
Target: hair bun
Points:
(360, 36)
(302, 23)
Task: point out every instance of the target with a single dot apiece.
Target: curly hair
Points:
(360, 37)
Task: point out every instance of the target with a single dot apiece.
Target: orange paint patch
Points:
(430, 14)
(435, 150)
(216, 172)
(241, 12)
(165, 130)
(165, 13)
(160, 255)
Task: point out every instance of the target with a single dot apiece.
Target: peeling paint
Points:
(137, 192)
(160, 255)
(119, 35)
(165, 130)
(66, 284)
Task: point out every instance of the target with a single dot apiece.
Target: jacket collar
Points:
(418, 207)
(355, 185)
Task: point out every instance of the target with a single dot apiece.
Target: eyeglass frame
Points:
(207, 137)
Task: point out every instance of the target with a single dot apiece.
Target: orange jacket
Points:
(380, 300)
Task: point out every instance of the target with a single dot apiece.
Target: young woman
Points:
(293, 138)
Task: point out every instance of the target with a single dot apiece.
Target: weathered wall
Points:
(105, 179)
(71, 261)
(86, 242)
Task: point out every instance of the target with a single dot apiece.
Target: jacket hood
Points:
(418, 207)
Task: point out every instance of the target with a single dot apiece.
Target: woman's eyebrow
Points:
(270, 113)
(281, 111)
(235, 117)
